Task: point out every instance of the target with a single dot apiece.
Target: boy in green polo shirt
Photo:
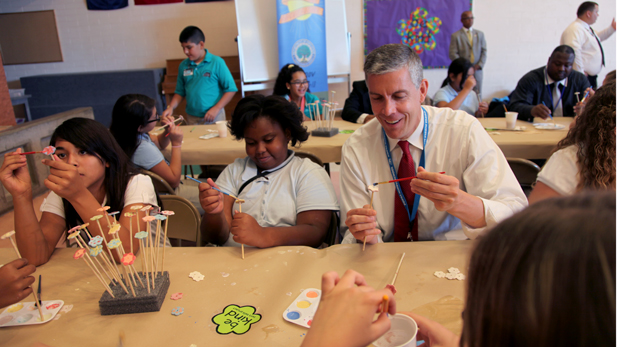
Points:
(203, 79)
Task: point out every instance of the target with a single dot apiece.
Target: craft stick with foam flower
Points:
(167, 213)
(144, 264)
(49, 150)
(149, 255)
(79, 254)
(104, 210)
(159, 219)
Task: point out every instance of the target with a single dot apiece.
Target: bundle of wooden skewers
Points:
(122, 282)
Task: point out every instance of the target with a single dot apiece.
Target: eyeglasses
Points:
(299, 82)
(466, 18)
(158, 118)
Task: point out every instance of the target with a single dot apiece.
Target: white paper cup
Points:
(221, 126)
(402, 333)
(511, 120)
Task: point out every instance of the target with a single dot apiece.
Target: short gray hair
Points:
(393, 57)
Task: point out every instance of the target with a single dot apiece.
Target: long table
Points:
(268, 279)
(529, 144)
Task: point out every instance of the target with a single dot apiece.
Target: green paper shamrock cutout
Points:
(236, 319)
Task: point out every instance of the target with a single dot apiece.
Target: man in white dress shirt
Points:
(477, 190)
(589, 55)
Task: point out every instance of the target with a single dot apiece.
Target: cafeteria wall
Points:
(520, 36)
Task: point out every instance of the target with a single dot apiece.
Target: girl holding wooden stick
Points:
(90, 171)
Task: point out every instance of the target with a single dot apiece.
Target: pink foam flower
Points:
(80, 253)
(128, 259)
(49, 150)
(176, 296)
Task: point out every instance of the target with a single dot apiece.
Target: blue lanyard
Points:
(550, 92)
(416, 200)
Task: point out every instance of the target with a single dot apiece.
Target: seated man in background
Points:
(548, 91)
(478, 188)
(357, 107)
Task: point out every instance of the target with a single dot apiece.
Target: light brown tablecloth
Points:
(268, 279)
(530, 143)
(223, 151)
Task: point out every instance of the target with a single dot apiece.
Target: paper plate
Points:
(548, 126)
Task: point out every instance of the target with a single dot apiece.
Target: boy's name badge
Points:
(188, 72)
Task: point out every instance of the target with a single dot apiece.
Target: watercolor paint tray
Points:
(303, 308)
(26, 313)
(324, 132)
(143, 302)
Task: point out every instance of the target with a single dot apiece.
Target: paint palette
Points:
(303, 308)
(25, 313)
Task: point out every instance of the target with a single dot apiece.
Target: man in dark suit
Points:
(357, 107)
(549, 90)
(469, 43)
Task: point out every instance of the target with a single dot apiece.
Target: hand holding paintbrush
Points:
(15, 281)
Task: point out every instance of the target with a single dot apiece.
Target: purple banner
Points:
(423, 25)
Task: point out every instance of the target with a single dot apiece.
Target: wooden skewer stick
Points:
(168, 214)
(398, 268)
(144, 267)
(86, 247)
(100, 279)
(166, 125)
(240, 201)
(36, 299)
(111, 257)
(371, 207)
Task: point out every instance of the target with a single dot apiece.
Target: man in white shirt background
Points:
(589, 55)
(477, 190)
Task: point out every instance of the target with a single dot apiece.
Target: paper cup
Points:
(221, 126)
(402, 333)
(511, 120)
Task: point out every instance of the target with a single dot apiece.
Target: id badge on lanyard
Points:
(411, 214)
(188, 72)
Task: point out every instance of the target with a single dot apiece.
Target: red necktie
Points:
(402, 226)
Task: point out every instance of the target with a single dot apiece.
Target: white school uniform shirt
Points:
(560, 172)
(457, 144)
(300, 185)
(588, 57)
(139, 190)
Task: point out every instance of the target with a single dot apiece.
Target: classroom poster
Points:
(423, 25)
(302, 39)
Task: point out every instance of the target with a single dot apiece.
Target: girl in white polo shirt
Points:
(288, 200)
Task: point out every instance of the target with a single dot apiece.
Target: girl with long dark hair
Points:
(457, 89)
(90, 171)
(133, 118)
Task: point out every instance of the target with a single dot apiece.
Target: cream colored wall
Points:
(520, 35)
